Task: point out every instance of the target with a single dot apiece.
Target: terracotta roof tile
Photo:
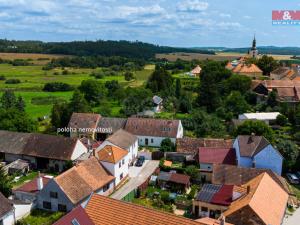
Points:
(217, 155)
(77, 214)
(250, 145)
(264, 192)
(210, 221)
(107, 211)
(243, 68)
(84, 120)
(82, 179)
(179, 178)
(152, 127)
(111, 154)
(122, 138)
(31, 186)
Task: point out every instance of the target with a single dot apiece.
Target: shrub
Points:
(12, 81)
(167, 145)
(2, 77)
(57, 86)
(128, 76)
(65, 72)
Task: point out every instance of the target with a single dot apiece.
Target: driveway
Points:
(292, 220)
(137, 176)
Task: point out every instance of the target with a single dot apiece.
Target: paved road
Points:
(294, 219)
(137, 176)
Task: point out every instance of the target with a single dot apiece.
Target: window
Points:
(62, 208)
(53, 194)
(121, 176)
(120, 164)
(152, 140)
(123, 161)
(204, 209)
(47, 205)
(105, 187)
(75, 222)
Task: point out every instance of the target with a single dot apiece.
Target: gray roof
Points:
(13, 142)
(5, 205)
(112, 123)
(18, 164)
(207, 192)
(157, 100)
(122, 138)
(250, 145)
(164, 176)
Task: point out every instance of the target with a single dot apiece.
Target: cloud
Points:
(192, 6)
(247, 17)
(225, 15)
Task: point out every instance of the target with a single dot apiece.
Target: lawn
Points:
(40, 217)
(30, 176)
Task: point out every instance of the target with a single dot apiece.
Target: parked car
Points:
(293, 179)
(140, 161)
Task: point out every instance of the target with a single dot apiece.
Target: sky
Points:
(182, 23)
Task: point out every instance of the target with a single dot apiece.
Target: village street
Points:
(137, 176)
(292, 220)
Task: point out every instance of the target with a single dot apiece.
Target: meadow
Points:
(33, 78)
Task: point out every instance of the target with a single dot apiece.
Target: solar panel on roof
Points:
(207, 192)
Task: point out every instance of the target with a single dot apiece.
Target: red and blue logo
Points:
(286, 17)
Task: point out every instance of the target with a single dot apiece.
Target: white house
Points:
(115, 160)
(267, 117)
(123, 140)
(257, 152)
(7, 215)
(151, 132)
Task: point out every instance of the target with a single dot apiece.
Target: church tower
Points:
(253, 51)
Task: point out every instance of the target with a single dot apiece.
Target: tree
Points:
(128, 76)
(178, 88)
(5, 183)
(255, 127)
(192, 171)
(237, 83)
(78, 103)
(267, 64)
(160, 80)
(289, 151)
(272, 99)
(167, 145)
(57, 86)
(94, 91)
(8, 99)
(20, 104)
(112, 87)
(281, 120)
(212, 74)
(236, 103)
(185, 103)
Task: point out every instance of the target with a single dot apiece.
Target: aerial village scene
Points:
(149, 112)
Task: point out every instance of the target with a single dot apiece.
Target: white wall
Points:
(78, 150)
(22, 210)
(153, 141)
(180, 130)
(8, 219)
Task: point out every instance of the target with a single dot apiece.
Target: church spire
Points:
(254, 43)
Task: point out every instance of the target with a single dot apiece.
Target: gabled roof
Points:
(122, 138)
(210, 221)
(6, 206)
(217, 155)
(174, 177)
(112, 123)
(77, 214)
(107, 211)
(244, 68)
(266, 198)
(157, 100)
(84, 120)
(37, 145)
(234, 175)
(82, 179)
(192, 145)
(152, 127)
(31, 186)
(250, 145)
(111, 154)
(196, 70)
(283, 72)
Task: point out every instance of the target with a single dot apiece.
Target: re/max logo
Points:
(286, 17)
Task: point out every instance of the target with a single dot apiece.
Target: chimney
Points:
(251, 138)
(39, 182)
(248, 189)
(253, 164)
(222, 220)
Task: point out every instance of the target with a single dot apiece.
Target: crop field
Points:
(33, 79)
(38, 59)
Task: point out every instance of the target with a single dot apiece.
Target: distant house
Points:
(265, 203)
(282, 73)
(109, 125)
(210, 156)
(115, 160)
(192, 145)
(250, 70)
(257, 152)
(196, 71)
(73, 187)
(151, 132)
(29, 191)
(7, 215)
(214, 199)
(83, 125)
(123, 140)
(174, 181)
(101, 210)
(158, 104)
(267, 117)
(41, 150)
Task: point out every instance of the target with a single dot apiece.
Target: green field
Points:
(33, 78)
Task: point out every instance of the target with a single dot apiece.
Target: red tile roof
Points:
(77, 214)
(31, 186)
(223, 196)
(179, 178)
(217, 155)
